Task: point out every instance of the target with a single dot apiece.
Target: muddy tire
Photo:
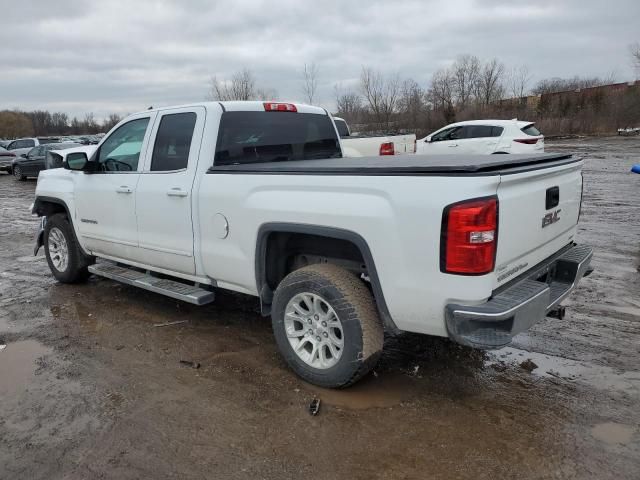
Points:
(17, 173)
(67, 262)
(326, 325)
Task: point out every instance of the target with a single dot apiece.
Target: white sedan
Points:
(483, 137)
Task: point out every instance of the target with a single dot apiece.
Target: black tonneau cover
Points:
(411, 165)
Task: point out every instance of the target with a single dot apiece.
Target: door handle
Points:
(177, 192)
(452, 145)
(124, 189)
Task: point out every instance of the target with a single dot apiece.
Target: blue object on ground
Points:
(636, 168)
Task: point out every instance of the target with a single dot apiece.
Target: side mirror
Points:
(76, 161)
(428, 139)
(23, 155)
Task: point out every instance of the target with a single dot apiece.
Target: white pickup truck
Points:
(363, 145)
(255, 197)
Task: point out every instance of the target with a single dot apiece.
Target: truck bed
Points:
(410, 165)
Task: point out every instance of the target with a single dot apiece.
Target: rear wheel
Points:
(326, 325)
(17, 172)
(67, 262)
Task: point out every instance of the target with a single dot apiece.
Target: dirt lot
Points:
(89, 388)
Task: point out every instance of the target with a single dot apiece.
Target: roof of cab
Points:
(243, 106)
(497, 123)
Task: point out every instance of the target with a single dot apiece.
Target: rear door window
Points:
(173, 142)
(258, 137)
(496, 131)
(478, 131)
(531, 130)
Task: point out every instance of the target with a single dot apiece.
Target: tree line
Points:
(471, 88)
(16, 123)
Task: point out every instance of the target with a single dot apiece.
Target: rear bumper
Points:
(5, 165)
(516, 308)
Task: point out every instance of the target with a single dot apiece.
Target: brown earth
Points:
(90, 389)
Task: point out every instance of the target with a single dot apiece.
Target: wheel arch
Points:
(263, 262)
(44, 206)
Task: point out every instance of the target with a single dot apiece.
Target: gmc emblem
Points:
(551, 218)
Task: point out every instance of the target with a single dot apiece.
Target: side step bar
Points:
(169, 288)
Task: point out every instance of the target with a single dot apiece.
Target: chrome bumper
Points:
(516, 308)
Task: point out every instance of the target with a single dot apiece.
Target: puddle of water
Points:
(613, 433)
(386, 390)
(17, 366)
(600, 377)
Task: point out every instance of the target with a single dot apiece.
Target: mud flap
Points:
(39, 239)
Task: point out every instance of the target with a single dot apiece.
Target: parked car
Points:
(32, 163)
(24, 145)
(257, 199)
(4, 143)
(483, 137)
(6, 157)
(362, 145)
(628, 131)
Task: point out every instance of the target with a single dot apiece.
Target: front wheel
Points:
(67, 262)
(17, 173)
(326, 325)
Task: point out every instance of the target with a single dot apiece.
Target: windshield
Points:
(258, 137)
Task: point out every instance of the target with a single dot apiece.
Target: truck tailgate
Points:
(538, 215)
(403, 144)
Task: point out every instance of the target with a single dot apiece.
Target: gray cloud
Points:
(122, 55)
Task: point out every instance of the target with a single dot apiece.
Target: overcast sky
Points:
(121, 56)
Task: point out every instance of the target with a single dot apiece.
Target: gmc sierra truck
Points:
(256, 198)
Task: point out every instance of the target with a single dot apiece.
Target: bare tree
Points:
(241, 86)
(465, 74)
(90, 123)
(440, 93)
(635, 57)
(310, 82)
(348, 104)
(381, 94)
(490, 87)
(59, 123)
(518, 81)
(111, 121)
(15, 124)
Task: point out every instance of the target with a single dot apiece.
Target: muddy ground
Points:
(90, 389)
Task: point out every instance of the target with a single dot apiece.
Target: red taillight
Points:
(526, 141)
(279, 107)
(387, 148)
(469, 237)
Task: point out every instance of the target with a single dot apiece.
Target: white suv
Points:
(483, 137)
